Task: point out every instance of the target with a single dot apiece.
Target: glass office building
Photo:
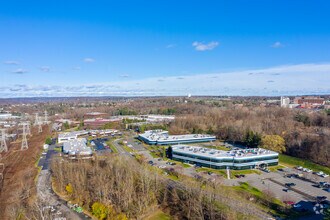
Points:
(217, 159)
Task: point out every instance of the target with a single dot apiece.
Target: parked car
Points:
(286, 189)
(280, 169)
(324, 175)
(290, 184)
(239, 175)
(290, 175)
(299, 168)
(321, 198)
(319, 173)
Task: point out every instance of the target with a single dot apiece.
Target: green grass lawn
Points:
(245, 172)
(224, 172)
(58, 149)
(179, 163)
(127, 148)
(205, 169)
(159, 215)
(274, 168)
(112, 147)
(293, 161)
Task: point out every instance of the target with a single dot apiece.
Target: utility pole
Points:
(24, 140)
(3, 146)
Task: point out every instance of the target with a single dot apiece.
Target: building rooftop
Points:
(95, 113)
(77, 147)
(72, 134)
(160, 135)
(208, 152)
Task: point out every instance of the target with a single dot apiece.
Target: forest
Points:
(117, 187)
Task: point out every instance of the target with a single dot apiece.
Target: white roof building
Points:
(77, 147)
(160, 137)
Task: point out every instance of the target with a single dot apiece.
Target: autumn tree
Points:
(273, 142)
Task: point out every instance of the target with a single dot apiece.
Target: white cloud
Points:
(170, 46)
(11, 62)
(199, 46)
(19, 71)
(290, 80)
(45, 69)
(124, 75)
(89, 60)
(277, 44)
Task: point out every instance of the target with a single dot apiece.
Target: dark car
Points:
(321, 198)
(150, 162)
(280, 169)
(290, 184)
(239, 175)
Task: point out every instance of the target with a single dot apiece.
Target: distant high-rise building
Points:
(285, 102)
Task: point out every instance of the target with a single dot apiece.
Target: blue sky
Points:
(78, 48)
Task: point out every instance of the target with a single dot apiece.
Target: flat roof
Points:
(72, 134)
(214, 153)
(160, 135)
(77, 147)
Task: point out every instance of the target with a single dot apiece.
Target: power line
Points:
(24, 140)
(3, 146)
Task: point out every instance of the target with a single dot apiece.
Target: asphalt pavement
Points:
(49, 200)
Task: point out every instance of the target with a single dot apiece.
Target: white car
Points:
(162, 167)
(320, 173)
(324, 175)
(309, 170)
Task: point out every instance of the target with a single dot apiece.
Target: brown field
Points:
(18, 193)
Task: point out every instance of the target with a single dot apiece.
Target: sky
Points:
(164, 47)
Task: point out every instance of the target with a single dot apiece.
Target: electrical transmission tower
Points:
(27, 124)
(3, 146)
(24, 140)
(36, 121)
(46, 117)
(28, 130)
